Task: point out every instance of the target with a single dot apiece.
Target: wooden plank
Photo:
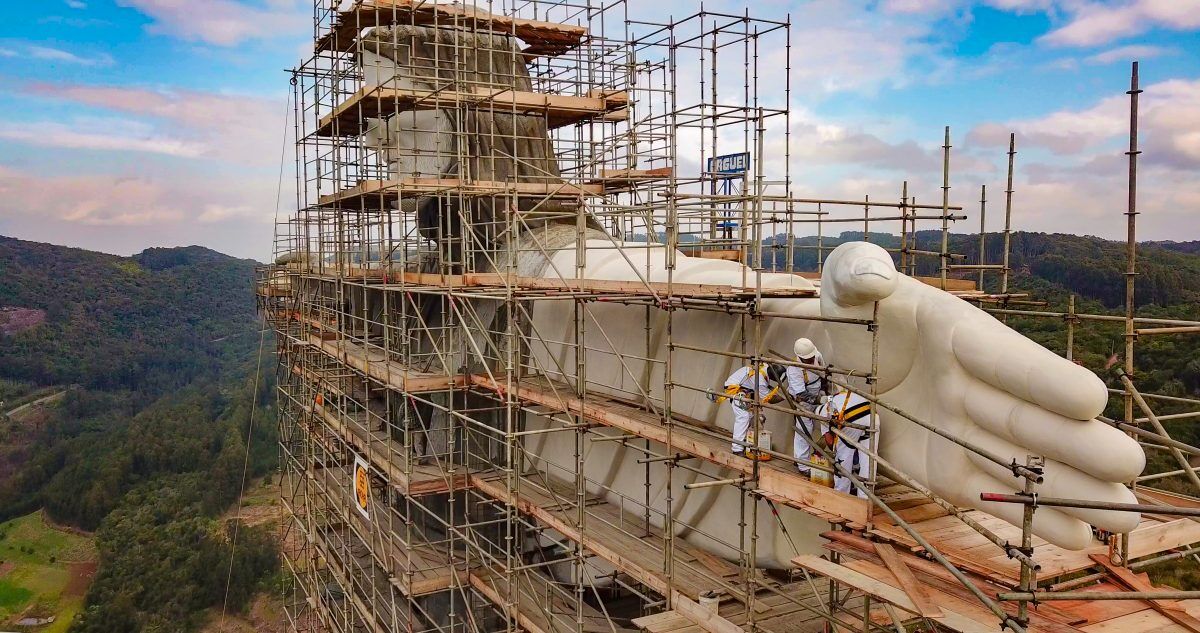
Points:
(913, 589)
(1163, 536)
(727, 254)
(887, 593)
(543, 38)
(349, 118)
(481, 581)
(621, 179)
(1095, 611)
(702, 617)
(390, 373)
(1145, 621)
(1169, 498)
(661, 622)
(1169, 608)
(946, 591)
(373, 194)
(785, 485)
(1003, 572)
(622, 286)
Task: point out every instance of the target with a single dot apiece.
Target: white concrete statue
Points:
(941, 359)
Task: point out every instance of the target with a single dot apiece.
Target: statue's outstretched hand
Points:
(950, 364)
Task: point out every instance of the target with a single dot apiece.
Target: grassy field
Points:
(43, 571)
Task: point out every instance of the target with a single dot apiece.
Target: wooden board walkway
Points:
(349, 118)
(414, 568)
(621, 539)
(968, 549)
(380, 194)
(536, 605)
(385, 455)
(776, 481)
(375, 364)
(542, 38)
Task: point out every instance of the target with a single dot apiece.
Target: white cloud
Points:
(1095, 23)
(51, 54)
(1169, 126)
(224, 22)
(1128, 53)
(860, 47)
(1021, 6)
(234, 128)
(117, 136)
(76, 4)
(917, 6)
(1081, 186)
(143, 205)
(218, 213)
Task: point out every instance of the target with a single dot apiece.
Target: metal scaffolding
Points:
(417, 395)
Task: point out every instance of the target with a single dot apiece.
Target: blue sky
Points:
(136, 123)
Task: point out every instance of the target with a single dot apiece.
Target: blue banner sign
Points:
(729, 164)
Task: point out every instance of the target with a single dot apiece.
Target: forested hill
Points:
(155, 357)
(151, 322)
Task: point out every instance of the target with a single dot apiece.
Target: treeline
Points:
(1088, 266)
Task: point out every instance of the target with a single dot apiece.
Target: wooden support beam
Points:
(542, 38)
(378, 194)
(388, 372)
(349, 118)
(883, 591)
(623, 179)
(594, 286)
(908, 582)
(726, 254)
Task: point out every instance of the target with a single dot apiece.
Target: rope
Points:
(262, 336)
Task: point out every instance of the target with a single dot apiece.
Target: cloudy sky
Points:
(136, 123)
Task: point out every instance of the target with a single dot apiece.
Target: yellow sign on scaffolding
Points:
(362, 487)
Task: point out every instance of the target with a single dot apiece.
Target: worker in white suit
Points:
(850, 413)
(807, 388)
(754, 382)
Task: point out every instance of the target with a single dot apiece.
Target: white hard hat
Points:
(804, 348)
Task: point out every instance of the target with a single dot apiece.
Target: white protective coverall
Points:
(804, 386)
(741, 387)
(846, 408)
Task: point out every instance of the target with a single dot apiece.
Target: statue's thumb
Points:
(857, 273)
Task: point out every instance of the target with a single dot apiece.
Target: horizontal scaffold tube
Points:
(1042, 596)
(1037, 500)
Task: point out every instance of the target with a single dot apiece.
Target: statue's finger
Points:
(1091, 446)
(1061, 481)
(1056, 527)
(1000, 357)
